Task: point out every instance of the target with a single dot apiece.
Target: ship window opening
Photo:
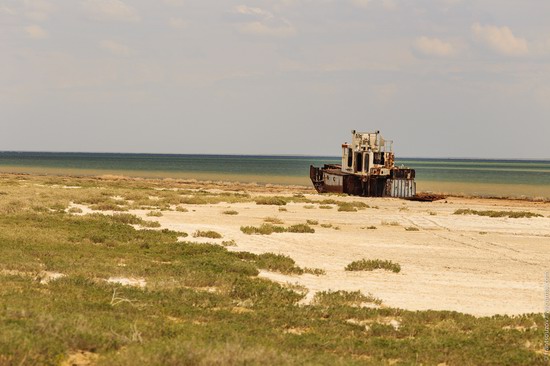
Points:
(359, 162)
(350, 158)
(379, 158)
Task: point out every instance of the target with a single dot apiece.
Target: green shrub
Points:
(279, 263)
(372, 264)
(271, 200)
(264, 229)
(272, 262)
(511, 214)
(207, 234)
(107, 206)
(273, 220)
(127, 218)
(301, 228)
(154, 214)
(343, 298)
(351, 206)
(390, 223)
(315, 271)
(229, 243)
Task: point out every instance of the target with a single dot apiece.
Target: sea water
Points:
(515, 178)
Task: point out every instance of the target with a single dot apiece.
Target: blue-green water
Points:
(535, 175)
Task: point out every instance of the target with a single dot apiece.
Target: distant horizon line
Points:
(259, 155)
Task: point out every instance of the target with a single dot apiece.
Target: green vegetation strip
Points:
(372, 264)
(268, 229)
(511, 214)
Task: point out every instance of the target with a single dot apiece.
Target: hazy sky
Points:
(442, 78)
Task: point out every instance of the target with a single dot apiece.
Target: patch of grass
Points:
(347, 208)
(181, 209)
(268, 229)
(300, 228)
(282, 209)
(74, 210)
(264, 229)
(127, 218)
(271, 200)
(309, 207)
(344, 298)
(130, 219)
(207, 234)
(315, 271)
(390, 223)
(372, 264)
(154, 214)
(371, 227)
(312, 222)
(432, 213)
(489, 213)
(482, 233)
(108, 206)
(278, 262)
(412, 228)
(351, 206)
(150, 224)
(325, 207)
(205, 198)
(272, 262)
(229, 243)
(230, 212)
(273, 220)
(326, 226)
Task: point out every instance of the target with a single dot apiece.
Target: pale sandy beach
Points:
(466, 263)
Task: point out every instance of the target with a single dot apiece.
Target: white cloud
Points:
(261, 22)
(7, 10)
(243, 9)
(174, 2)
(433, 47)
(36, 32)
(114, 10)
(115, 48)
(360, 3)
(37, 10)
(176, 23)
(264, 29)
(390, 5)
(500, 39)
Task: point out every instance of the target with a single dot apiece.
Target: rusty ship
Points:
(367, 169)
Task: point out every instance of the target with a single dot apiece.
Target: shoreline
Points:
(230, 179)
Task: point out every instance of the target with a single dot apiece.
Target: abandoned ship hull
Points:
(331, 179)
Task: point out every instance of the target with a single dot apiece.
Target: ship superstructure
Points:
(367, 169)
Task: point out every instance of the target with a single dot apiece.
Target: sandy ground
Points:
(471, 264)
